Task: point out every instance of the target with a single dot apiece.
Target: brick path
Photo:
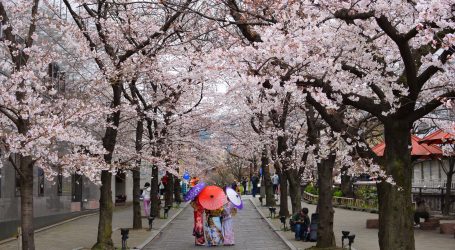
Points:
(251, 232)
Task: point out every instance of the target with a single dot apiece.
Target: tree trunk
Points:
(177, 190)
(395, 207)
(104, 240)
(284, 210)
(26, 190)
(169, 190)
(294, 190)
(447, 198)
(269, 196)
(137, 220)
(154, 194)
(326, 237)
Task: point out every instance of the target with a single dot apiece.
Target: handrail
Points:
(344, 201)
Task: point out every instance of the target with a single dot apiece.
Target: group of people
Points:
(218, 227)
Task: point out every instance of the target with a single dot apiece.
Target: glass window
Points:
(40, 182)
(59, 182)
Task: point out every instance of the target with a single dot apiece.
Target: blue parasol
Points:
(194, 191)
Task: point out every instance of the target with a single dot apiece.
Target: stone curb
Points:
(276, 230)
(157, 232)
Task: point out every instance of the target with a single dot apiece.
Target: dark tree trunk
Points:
(346, 183)
(137, 220)
(105, 215)
(395, 207)
(294, 190)
(26, 190)
(326, 237)
(269, 196)
(104, 240)
(284, 210)
(154, 194)
(447, 198)
(169, 190)
(177, 190)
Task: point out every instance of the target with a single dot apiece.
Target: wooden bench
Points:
(372, 223)
(447, 228)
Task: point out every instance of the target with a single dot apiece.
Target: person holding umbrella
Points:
(230, 210)
(198, 228)
(212, 198)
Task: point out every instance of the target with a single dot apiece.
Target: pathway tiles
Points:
(82, 232)
(251, 232)
(366, 239)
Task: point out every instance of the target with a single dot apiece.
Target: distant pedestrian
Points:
(275, 182)
(146, 195)
(422, 211)
(254, 182)
(244, 184)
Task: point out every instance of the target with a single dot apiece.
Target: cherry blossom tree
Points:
(45, 113)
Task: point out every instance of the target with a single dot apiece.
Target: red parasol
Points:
(418, 148)
(439, 137)
(212, 198)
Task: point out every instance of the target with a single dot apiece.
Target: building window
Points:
(1, 182)
(40, 182)
(59, 182)
(17, 184)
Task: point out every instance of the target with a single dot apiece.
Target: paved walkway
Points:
(81, 233)
(366, 239)
(251, 232)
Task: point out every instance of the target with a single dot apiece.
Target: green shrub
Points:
(337, 193)
(311, 189)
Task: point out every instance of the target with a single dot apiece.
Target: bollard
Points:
(272, 212)
(351, 240)
(260, 199)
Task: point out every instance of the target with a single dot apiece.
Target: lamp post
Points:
(283, 220)
(150, 219)
(124, 232)
(272, 212)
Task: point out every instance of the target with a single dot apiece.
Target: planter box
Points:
(373, 223)
(447, 228)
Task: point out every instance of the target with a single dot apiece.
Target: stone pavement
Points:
(81, 233)
(251, 232)
(366, 239)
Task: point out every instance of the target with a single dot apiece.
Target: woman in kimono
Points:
(213, 231)
(227, 226)
(198, 229)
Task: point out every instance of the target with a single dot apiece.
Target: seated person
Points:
(301, 223)
(422, 211)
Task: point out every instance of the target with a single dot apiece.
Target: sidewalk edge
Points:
(52, 226)
(276, 230)
(154, 234)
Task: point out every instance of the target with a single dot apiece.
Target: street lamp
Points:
(283, 220)
(151, 218)
(272, 212)
(124, 232)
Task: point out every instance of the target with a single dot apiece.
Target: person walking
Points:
(146, 196)
(244, 184)
(227, 224)
(198, 228)
(254, 182)
(275, 182)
